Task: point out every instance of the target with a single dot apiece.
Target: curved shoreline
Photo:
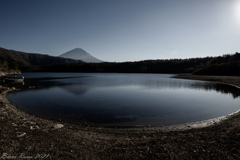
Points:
(216, 138)
(174, 127)
(177, 127)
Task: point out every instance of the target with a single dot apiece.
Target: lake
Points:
(123, 100)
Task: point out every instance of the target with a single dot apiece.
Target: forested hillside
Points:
(148, 66)
(222, 65)
(10, 59)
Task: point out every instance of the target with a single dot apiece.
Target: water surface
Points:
(121, 100)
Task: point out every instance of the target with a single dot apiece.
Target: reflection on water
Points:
(123, 99)
(222, 88)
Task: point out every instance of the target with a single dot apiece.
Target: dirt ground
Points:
(23, 136)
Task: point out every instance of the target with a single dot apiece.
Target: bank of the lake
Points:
(23, 135)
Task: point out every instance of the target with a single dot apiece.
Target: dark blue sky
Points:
(122, 30)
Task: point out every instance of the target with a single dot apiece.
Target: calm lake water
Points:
(123, 100)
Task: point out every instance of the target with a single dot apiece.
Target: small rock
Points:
(21, 134)
(14, 125)
(33, 123)
(57, 126)
(34, 127)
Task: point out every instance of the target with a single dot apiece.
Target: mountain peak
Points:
(77, 49)
(80, 54)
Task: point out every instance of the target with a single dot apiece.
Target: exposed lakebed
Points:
(123, 100)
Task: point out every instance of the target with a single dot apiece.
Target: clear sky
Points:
(122, 30)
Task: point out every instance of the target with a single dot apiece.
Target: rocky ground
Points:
(23, 136)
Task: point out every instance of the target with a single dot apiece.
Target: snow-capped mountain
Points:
(80, 54)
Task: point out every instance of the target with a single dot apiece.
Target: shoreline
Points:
(173, 127)
(23, 133)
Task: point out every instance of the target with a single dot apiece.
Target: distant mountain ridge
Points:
(80, 54)
(11, 61)
(17, 58)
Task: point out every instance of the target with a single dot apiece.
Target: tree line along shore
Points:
(228, 64)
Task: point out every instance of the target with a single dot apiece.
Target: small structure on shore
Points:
(14, 79)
